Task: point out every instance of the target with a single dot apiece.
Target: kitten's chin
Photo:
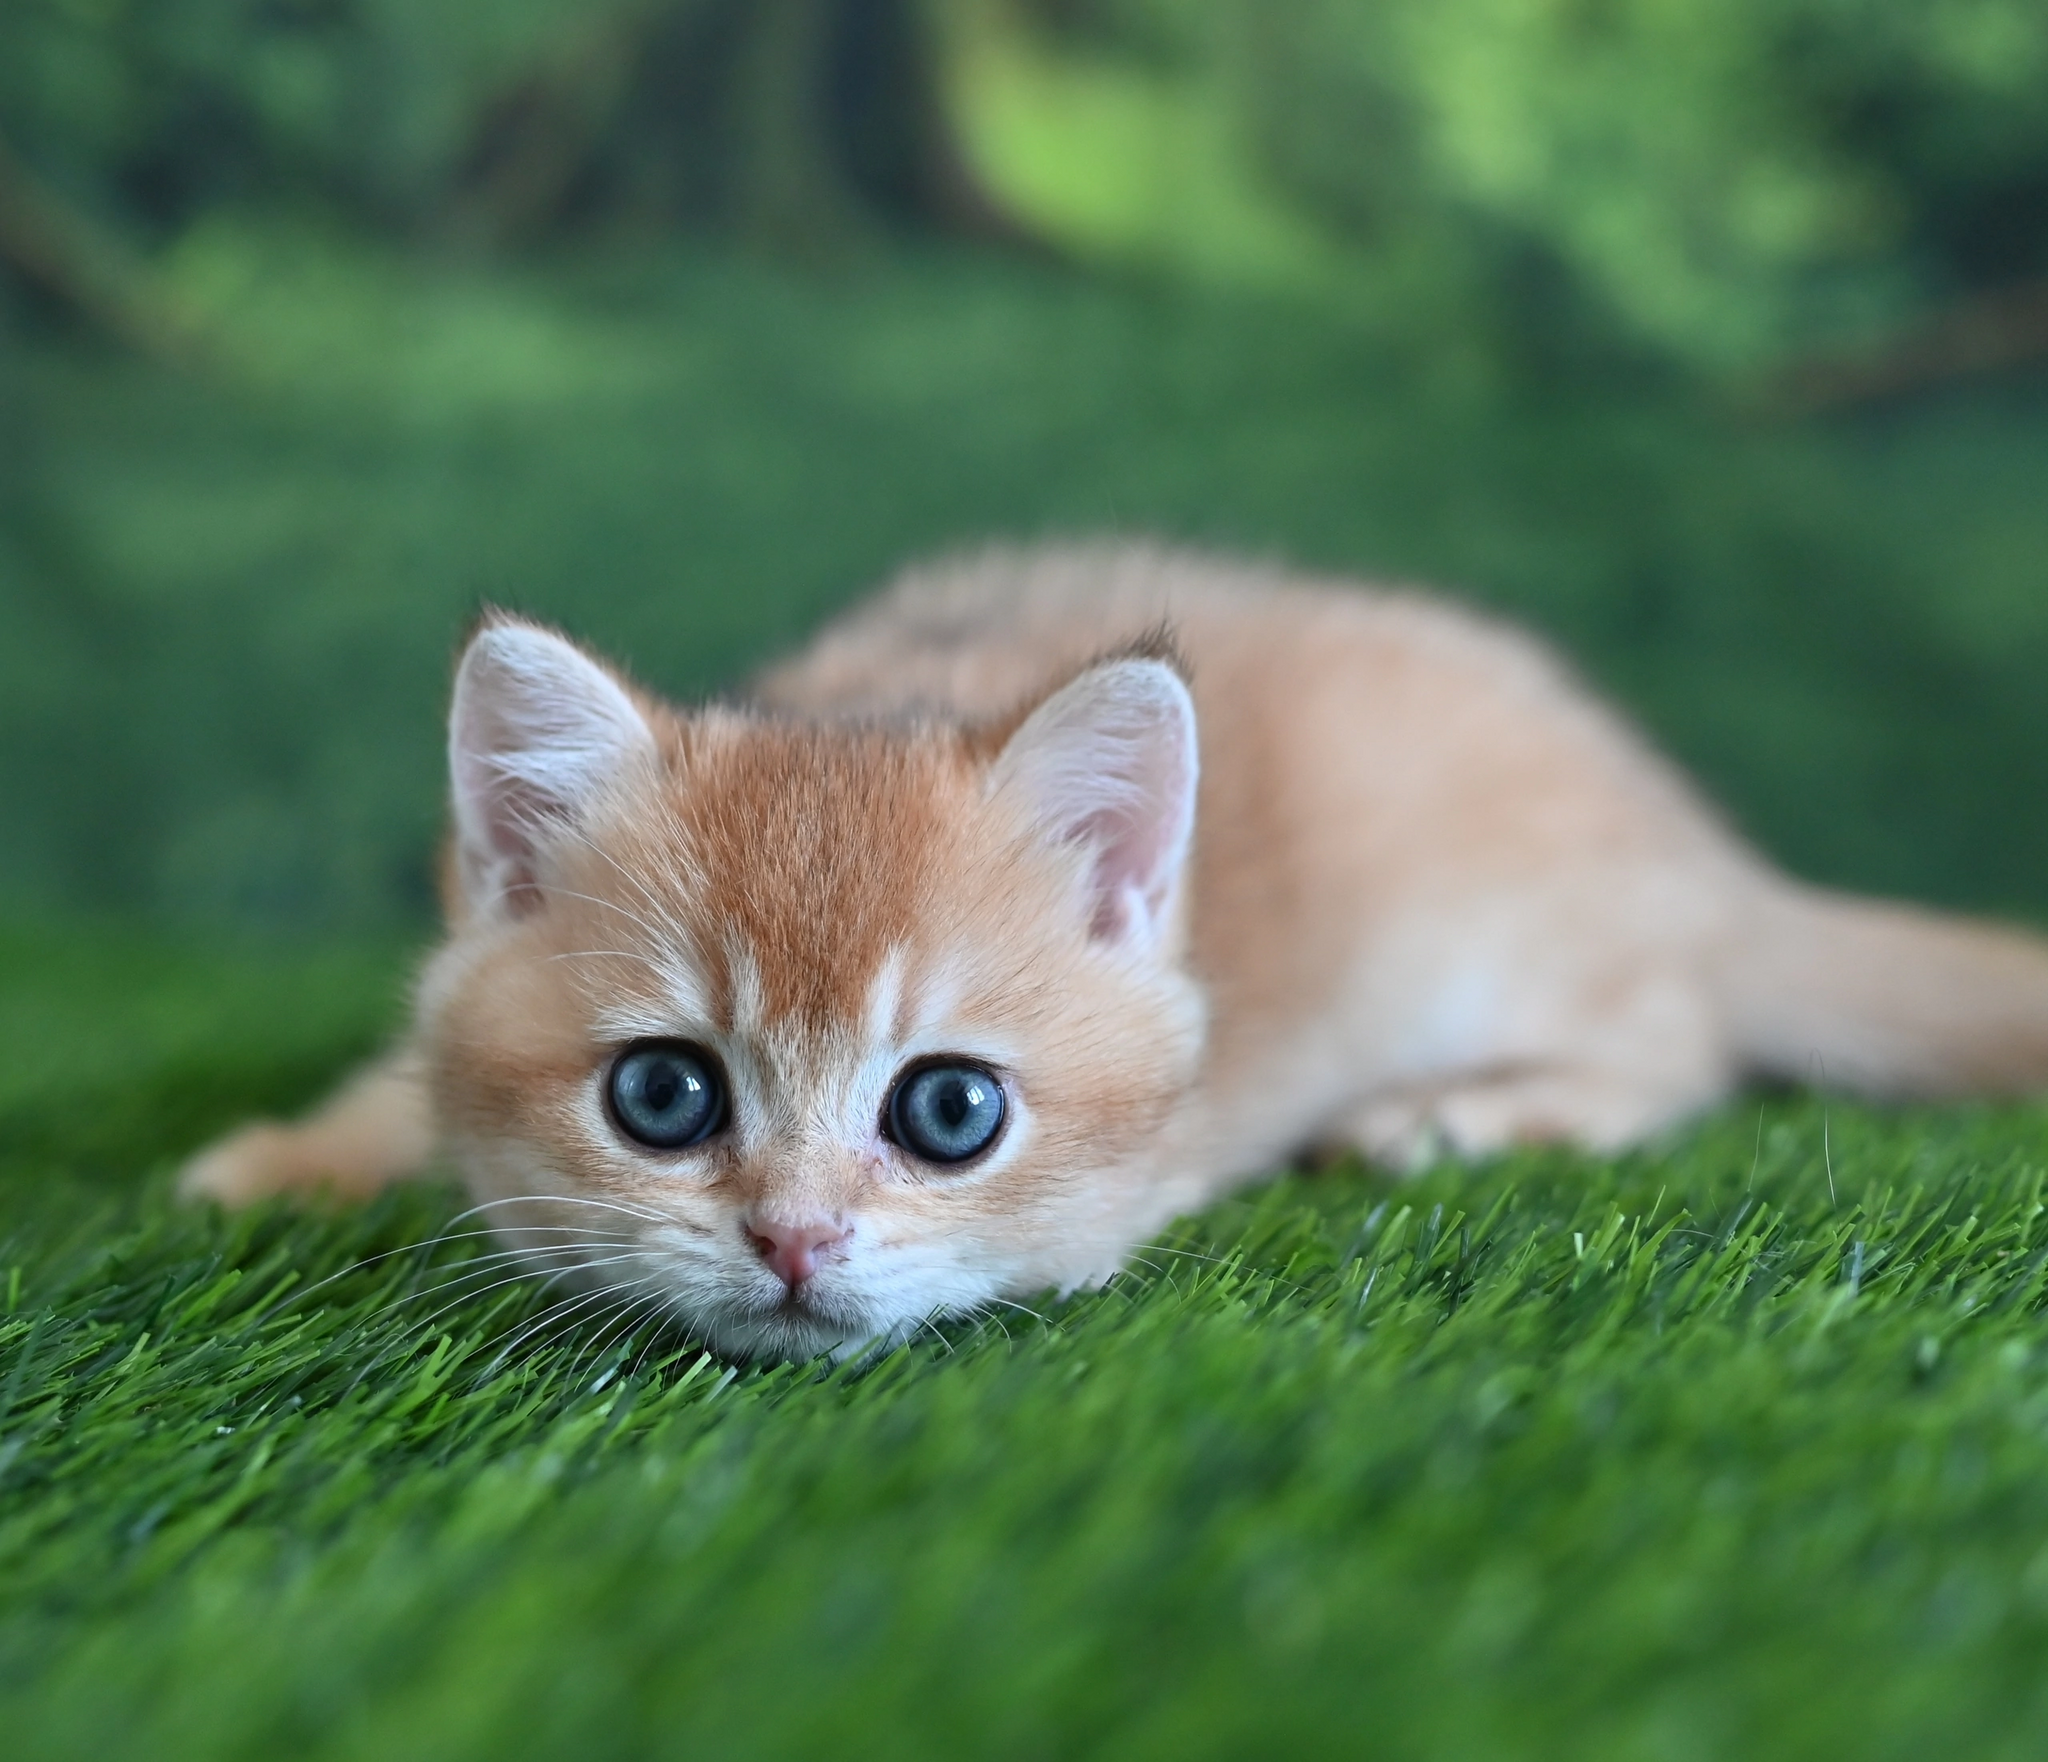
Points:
(793, 1332)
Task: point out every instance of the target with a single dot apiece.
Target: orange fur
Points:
(1437, 898)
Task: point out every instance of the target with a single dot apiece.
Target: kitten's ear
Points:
(1110, 762)
(538, 730)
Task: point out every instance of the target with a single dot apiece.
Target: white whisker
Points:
(523, 1275)
(291, 1298)
(610, 905)
(622, 1328)
(647, 895)
(591, 954)
(652, 1217)
(391, 1348)
(608, 1294)
(528, 1261)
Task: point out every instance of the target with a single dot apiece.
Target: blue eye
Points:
(946, 1113)
(666, 1095)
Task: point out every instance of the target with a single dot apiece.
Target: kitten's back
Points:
(1424, 850)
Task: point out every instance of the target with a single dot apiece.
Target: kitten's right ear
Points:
(538, 730)
(1109, 762)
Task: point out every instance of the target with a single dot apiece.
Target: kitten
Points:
(936, 977)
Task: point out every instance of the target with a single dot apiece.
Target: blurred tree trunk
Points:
(789, 190)
(14, 426)
(797, 124)
(1991, 334)
(77, 266)
(801, 126)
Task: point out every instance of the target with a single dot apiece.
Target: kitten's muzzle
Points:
(794, 1252)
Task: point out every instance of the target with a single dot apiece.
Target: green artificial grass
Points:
(1737, 1447)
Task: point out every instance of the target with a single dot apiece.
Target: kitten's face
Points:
(808, 1035)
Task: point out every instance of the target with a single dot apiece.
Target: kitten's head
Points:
(806, 1033)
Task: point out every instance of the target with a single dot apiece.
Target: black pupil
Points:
(946, 1113)
(665, 1096)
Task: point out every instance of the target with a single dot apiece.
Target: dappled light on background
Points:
(329, 322)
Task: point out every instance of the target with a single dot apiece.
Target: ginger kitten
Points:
(958, 965)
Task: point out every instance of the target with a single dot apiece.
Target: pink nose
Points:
(792, 1252)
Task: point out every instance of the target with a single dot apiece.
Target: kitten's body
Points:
(1437, 897)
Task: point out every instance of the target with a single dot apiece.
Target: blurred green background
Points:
(1704, 334)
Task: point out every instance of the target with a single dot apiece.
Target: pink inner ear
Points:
(1133, 877)
(1110, 762)
(514, 819)
(538, 730)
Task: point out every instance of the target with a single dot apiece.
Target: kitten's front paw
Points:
(374, 1130)
(1399, 1135)
(249, 1164)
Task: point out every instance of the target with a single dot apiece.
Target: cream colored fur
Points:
(1437, 899)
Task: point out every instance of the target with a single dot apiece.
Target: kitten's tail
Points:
(1887, 999)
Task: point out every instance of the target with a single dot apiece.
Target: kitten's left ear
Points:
(1110, 762)
(537, 732)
